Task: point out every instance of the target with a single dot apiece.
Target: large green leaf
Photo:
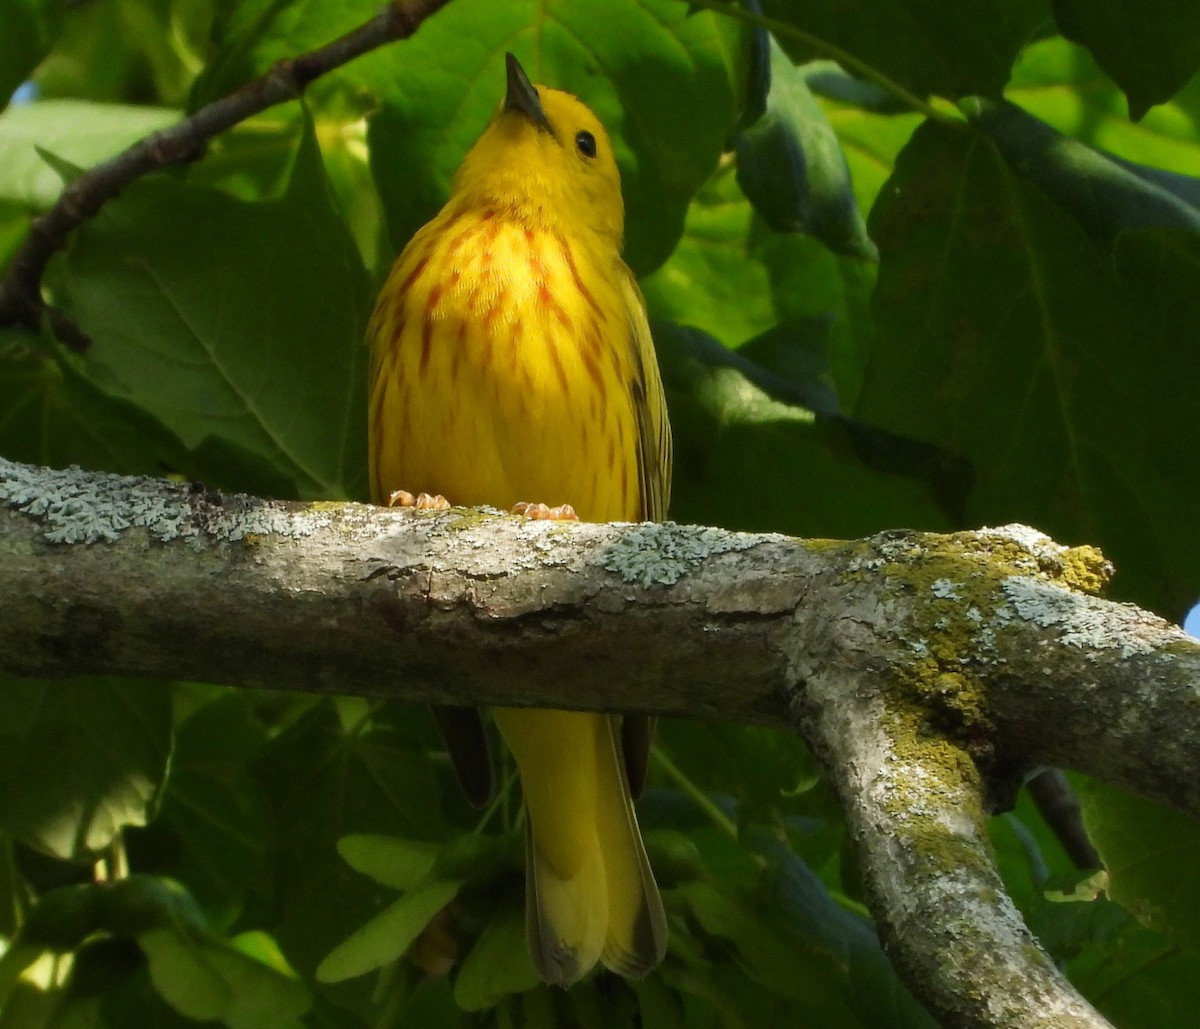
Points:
(80, 760)
(746, 458)
(210, 831)
(950, 49)
(1151, 49)
(668, 102)
(239, 326)
(1006, 336)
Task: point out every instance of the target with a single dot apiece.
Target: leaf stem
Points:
(718, 817)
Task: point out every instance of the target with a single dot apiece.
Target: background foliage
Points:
(958, 287)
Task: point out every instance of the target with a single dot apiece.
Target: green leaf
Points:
(804, 911)
(734, 279)
(668, 103)
(711, 282)
(253, 313)
(253, 35)
(324, 780)
(1061, 84)
(82, 133)
(243, 982)
(1149, 852)
(51, 414)
(791, 168)
(389, 934)
(63, 918)
(951, 50)
(732, 436)
(140, 902)
(81, 759)
(210, 833)
(30, 27)
(1150, 49)
(399, 864)
(807, 979)
(1006, 336)
(1104, 195)
(498, 965)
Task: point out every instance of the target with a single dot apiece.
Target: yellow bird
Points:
(512, 365)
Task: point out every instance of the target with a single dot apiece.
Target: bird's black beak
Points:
(521, 96)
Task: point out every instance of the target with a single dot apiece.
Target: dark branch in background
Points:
(20, 291)
(918, 667)
(1059, 806)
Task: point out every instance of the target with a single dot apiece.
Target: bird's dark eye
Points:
(586, 143)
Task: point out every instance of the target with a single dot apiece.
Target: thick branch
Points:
(20, 290)
(982, 629)
(920, 668)
(913, 809)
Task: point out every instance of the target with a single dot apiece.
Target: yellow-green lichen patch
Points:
(932, 782)
(946, 634)
(1085, 569)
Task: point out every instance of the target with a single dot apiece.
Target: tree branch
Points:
(924, 670)
(20, 290)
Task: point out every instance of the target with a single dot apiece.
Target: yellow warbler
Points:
(512, 362)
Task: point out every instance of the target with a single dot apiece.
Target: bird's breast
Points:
(507, 362)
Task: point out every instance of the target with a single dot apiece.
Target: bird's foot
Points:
(540, 512)
(420, 502)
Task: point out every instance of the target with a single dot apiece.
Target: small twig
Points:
(20, 291)
(1056, 801)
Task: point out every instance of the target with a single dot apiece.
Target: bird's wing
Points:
(649, 407)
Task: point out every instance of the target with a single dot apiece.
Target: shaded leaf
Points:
(211, 831)
(731, 437)
(51, 414)
(952, 50)
(1150, 49)
(30, 27)
(1149, 852)
(1044, 388)
(791, 168)
(81, 759)
(1103, 194)
(324, 780)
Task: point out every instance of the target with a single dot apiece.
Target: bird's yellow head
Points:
(545, 159)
